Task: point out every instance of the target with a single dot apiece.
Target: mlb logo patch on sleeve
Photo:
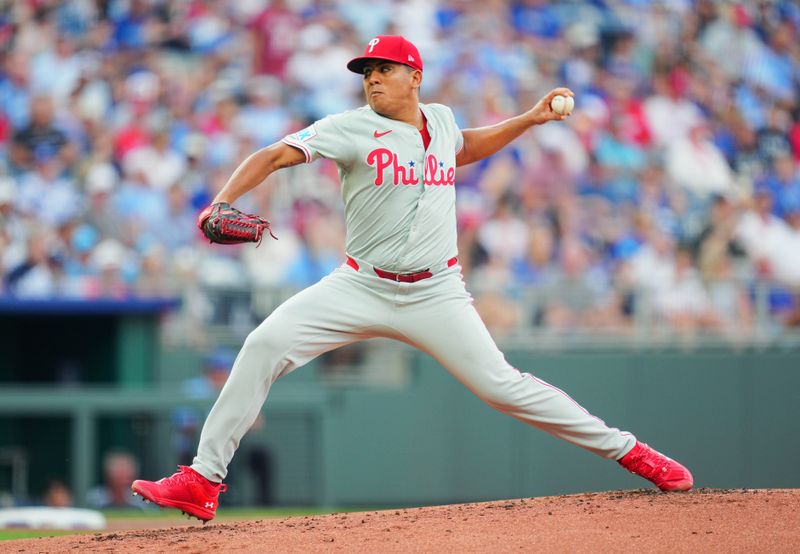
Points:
(307, 134)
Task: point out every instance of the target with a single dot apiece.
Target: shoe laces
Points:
(183, 475)
(186, 474)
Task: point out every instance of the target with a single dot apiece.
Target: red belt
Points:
(402, 277)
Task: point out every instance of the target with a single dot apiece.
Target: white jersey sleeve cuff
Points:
(300, 146)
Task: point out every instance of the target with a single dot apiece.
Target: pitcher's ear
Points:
(416, 78)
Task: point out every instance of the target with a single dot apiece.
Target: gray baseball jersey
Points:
(400, 214)
(399, 199)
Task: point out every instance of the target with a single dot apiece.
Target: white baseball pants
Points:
(434, 315)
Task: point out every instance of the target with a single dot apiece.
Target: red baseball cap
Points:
(393, 48)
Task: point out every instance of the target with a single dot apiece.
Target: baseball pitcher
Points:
(400, 277)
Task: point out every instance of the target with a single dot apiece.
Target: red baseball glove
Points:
(224, 224)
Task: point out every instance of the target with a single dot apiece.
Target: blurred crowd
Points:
(671, 194)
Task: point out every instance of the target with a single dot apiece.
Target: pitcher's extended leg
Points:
(451, 331)
(332, 313)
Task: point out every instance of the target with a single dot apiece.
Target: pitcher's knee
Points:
(268, 340)
(266, 349)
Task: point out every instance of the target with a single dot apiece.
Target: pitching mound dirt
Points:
(643, 521)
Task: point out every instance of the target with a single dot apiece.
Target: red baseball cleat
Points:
(186, 490)
(666, 473)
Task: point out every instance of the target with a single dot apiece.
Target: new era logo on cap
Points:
(392, 48)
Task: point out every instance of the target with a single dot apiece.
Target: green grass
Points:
(14, 534)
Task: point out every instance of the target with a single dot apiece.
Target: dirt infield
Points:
(645, 521)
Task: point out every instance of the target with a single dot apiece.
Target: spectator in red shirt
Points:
(274, 33)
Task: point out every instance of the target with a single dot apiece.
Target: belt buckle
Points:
(411, 277)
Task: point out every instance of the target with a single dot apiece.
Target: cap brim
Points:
(356, 65)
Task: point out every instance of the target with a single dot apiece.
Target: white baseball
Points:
(562, 105)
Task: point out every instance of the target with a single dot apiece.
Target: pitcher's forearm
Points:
(482, 142)
(256, 168)
(250, 173)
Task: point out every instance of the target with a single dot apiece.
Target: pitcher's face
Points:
(390, 87)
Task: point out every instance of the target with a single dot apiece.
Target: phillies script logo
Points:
(433, 174)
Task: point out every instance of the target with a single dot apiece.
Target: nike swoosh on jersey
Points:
(376, 134)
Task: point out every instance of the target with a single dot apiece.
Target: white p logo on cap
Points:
(373, 43)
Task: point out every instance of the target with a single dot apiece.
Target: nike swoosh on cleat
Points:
(376, 134)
